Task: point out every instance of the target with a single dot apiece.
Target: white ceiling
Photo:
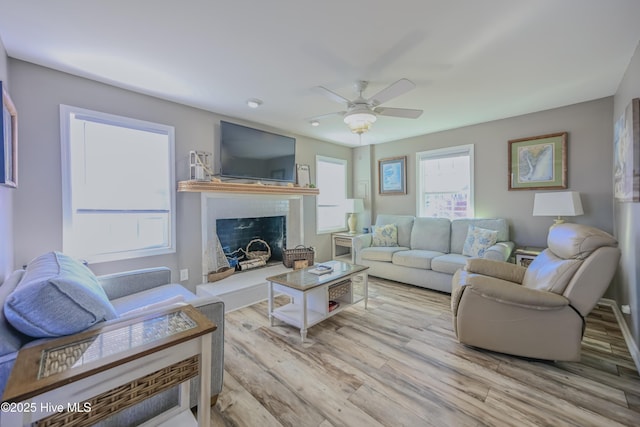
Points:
(473, 61)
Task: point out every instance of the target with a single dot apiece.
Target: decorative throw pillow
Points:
(478, 241)
(385, 235)
(57, 296)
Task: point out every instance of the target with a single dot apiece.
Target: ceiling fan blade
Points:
(407, 113)
(324, 116)
(332, 95)
(392, 91)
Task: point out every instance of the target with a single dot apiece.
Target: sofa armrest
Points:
(506, 292)
(498, 269)
(501, 251)
(359, 243)
(118, 285)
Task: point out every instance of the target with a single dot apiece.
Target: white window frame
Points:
(68, 244)
(443, 153)
(339, 205)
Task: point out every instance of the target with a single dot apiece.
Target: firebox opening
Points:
(237, 233)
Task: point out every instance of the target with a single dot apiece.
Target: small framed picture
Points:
(303, 176)
(392, 175)
(538, 162)
(9, 138)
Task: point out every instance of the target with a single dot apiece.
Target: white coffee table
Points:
(310, 294)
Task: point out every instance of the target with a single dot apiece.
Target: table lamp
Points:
(353, 207)
(558, 204)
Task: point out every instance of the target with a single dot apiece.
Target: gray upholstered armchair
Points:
(537, 311)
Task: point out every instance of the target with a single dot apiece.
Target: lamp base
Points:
(352, 222)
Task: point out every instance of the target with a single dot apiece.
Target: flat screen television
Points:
(255, 154)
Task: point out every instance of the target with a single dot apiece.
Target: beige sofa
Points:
(429, 251)
(537, 311)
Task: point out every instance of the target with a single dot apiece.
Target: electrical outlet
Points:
(625, 309)
(184, 274)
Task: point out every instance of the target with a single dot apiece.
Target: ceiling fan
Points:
(362, 112)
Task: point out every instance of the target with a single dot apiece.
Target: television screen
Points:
(255, 154)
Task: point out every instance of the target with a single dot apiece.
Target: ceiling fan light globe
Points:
(360, 122)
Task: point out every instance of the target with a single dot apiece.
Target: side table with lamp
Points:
(342, 243)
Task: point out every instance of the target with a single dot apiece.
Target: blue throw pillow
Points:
(478, 241)
(57, 296)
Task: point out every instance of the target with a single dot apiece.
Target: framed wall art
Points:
(9, 137)
(392, 175)
(538, 162)
(303, 175)
(626, 154)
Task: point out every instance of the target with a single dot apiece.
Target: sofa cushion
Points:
(448, 263)
(57, 296)
(152, 298)
(381, 253)
(549, 273)
(415, 258)
(431, 234)
(404, 224)
(478, 241)
(460, 228)
(384, 235)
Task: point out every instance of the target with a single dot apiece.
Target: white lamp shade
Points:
(354, 206)
(563, 203)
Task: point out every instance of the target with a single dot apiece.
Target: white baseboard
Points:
(626, 333)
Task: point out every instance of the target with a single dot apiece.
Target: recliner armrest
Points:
(506, 292)
(498, 269)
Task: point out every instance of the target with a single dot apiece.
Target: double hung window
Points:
(331, 179)
(118, 186)
(445, 182)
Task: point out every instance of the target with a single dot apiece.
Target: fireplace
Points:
(250, 208)
(237, 233)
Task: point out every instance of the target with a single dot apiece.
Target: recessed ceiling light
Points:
(314, 123)
(254, 102)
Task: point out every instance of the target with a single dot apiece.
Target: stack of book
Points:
(321, 269)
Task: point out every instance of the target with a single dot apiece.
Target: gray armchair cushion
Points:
(161, 295)
(57, 296)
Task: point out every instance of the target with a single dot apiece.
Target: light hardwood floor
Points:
(398, 364)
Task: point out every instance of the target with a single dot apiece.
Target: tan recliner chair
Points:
(537, 311)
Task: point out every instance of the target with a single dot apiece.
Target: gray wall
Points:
(38, 92)
(627, 215)
(6, 193)
(590, 167)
